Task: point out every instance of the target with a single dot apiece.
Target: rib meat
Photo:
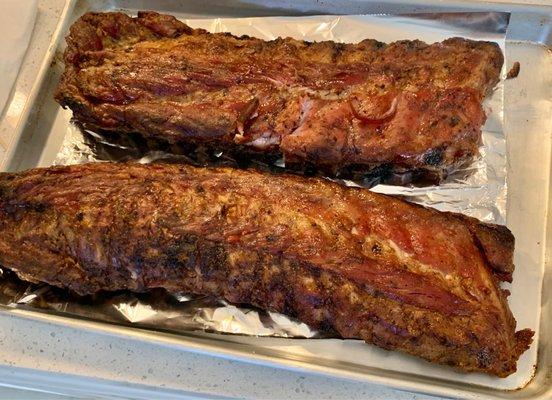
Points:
(404, 106)
(364, 265)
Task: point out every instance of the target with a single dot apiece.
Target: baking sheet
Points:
(404, 27)
(479, 190)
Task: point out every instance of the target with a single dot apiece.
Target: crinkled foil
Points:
(478, 189)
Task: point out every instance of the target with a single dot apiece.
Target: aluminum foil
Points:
(478, 189)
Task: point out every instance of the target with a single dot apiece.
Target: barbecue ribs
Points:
(405, 107)
(364, 265)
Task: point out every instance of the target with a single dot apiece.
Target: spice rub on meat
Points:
(364, 265)
(405, 107)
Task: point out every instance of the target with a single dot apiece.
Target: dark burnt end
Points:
(136, 260)
(39, 207)
(310, 169)
(289, 307)
(4, 195)
(314, 300)
(276, 290)
(454, 120)
(326, 326)
(377, 175)
(15, 208)
(433, 157)
(184, 252)
(445, 341)
(213, 260)
(484, 358)
(415, 340)
(174, 257)
(314, 271)
(337, 49)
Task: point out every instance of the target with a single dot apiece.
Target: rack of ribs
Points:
(404, 109)
(360, 264)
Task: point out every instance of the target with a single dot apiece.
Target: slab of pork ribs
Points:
(361, 264)
(404, 109)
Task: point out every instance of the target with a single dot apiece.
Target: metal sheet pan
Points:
(528, 128)
(479, 190)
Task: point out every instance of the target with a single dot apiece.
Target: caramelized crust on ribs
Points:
(364, 265)
(404, 106)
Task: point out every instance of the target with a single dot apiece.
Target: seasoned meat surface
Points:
(364, 265)
(408, 106)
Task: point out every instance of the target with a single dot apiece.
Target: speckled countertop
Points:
(82, 364)
(46, 347)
